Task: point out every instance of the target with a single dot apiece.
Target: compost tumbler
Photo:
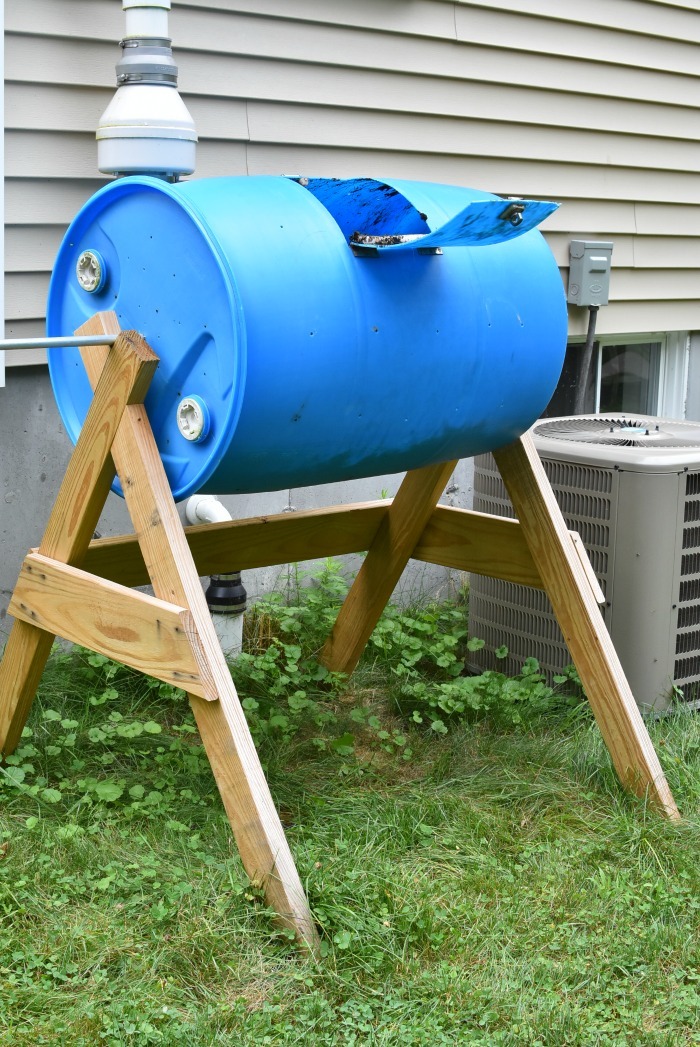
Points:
(315, 330)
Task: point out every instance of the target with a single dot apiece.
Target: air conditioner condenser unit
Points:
(630, 486)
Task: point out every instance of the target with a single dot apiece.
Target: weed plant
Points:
(476, 872)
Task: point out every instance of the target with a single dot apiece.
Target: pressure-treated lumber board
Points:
(244, 544)
(148, 634)
(456, 538)
(475, 542)
(129, 367)
(582, 554)
(21, 669)
(222, 725)
(390, 551)
(581, 623)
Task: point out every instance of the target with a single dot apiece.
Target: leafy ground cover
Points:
(477, 874)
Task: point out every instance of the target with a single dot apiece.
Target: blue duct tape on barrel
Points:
(312, 364)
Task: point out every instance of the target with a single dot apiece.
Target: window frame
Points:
(672, 383)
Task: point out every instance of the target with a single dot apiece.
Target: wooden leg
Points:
(396, 538)
(22, 665)
(586, 636)
(241, 781)
(128, 369)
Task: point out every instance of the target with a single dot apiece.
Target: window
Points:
(635, 374)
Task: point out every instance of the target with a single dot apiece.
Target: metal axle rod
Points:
(70, 342)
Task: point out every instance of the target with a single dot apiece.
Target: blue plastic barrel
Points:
(440, 334)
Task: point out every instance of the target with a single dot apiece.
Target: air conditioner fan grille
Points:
(621, 432)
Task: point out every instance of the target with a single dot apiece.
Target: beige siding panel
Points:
(93, 19)
(74, 155)
(664, 19)
(317, 42)
(90, 63)
(32, 248)
(79, 109)
(43, 60)
(30, 201)
(105, 20)
(682, 252)
(219, 117)
(655, 284)
(632, 252)
(659, 218)
(458, 61)
(80, 106)
(509, 177)
(216, 158)
(623, 250)
(25, 295)
(404, 92)
(584, 39)
(38, 106)
(672, 19)
(592, 216)
(35, 328)
(639, 318)
(318, 125)
(70, 154)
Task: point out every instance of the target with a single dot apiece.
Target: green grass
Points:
(495, 887)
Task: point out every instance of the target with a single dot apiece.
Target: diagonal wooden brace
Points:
(412, 526)
(568, 586)
(396, 538)
(221, 721)
(128, 370)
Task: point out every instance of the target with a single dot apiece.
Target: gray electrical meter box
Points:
(589, 272)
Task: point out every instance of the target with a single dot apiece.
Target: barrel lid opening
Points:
(367, 206)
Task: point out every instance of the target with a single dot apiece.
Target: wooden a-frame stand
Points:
(81, 590)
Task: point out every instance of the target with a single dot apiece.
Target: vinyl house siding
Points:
(595, 105)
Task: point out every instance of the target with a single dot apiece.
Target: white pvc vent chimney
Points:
(146, 128)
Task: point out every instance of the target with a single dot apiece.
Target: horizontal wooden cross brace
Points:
(151, 635)
(455, 538)
(89, 607)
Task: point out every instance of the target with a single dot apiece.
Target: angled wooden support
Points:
(574, 602)
(397, 536)
(457, 538)
(538, 550)
(222, 725)
(127, 373)
(145, 633)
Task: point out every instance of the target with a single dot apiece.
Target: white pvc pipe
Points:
(146, 19)
(206, 508)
